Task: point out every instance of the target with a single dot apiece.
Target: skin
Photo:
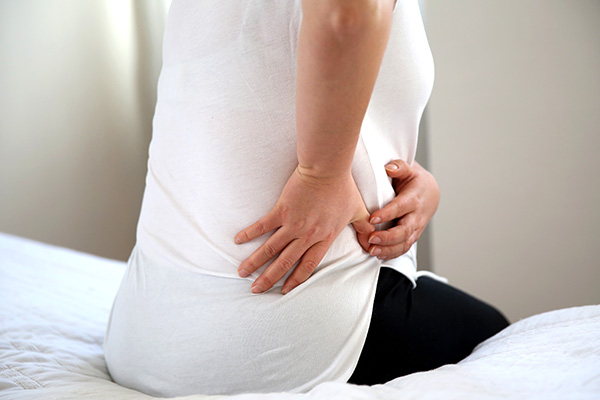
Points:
(340, 48)
(416, 201)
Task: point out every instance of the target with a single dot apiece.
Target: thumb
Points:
(398, 169)
(363, 240)
(361, 222)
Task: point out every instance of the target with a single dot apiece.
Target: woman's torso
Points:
(224, 144)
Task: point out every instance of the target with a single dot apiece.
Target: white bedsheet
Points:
(54, 304)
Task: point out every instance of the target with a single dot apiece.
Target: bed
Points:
(54, 304)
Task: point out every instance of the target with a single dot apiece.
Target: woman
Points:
(280, 117)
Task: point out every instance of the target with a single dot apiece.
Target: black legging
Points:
(421, 329)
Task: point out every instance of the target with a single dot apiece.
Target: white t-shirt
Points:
(223, 146)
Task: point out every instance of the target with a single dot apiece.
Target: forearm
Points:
(340, 49)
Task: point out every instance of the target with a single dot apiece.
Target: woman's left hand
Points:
(417, 199)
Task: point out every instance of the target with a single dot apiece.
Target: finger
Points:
(395, 235)
(397, 208)
(259, 228)
(398, 169)
(396, 248)
(363, 227)
(264, 253)
(390, 252)
(363, 240)
(274, 272)
(361, 222)
(308, 264)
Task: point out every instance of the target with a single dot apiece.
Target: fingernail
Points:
(375, 220)
(391, 167)
(237, 240)
(256, 288)
(375, 251)
(285, 290)
(243, 273)
(374, 240)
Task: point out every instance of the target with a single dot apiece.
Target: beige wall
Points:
(77, 95)
(515, 134)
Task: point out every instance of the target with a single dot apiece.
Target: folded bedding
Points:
(54, 306)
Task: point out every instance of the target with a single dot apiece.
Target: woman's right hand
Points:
(308, 216)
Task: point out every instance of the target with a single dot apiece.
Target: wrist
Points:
(316, 175)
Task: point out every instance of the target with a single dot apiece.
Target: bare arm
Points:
(340, 49)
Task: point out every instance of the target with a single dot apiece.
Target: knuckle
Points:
(384, 252)
(409, 240)
(266, 282)
(397, 205)
(291, 282)
(269, 250)
(406, 231)
(308, 266)
(384, 213)
(283, 265)
(298, 225)
(329, 236)
(244, 236)
(417, 222)
(386, 237)
(311, 234)
(401, 206)
(413, 233)
(248, 265)
(284, 211)
(260, 228)
(415, 237)
(418, 203)
(413, 203)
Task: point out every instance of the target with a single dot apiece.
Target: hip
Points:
(176, 332)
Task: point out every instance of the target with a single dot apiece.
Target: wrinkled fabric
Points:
(54, 304)
(223, 147)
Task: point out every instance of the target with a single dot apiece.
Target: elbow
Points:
(348, 18)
